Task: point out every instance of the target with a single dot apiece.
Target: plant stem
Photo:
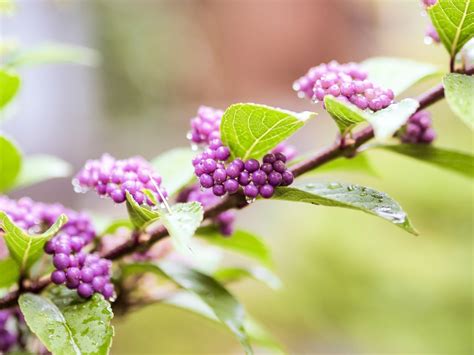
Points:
(233, 201)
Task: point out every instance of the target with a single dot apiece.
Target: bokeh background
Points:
(352, 283)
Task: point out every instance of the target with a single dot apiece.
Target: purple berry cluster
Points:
(86, 273)
(8, 338)
(206, 125)
(418, 129)
(345, 81)
(224, 221)
(304, 86)
(78, 270)
(255, 178)
(113, 178)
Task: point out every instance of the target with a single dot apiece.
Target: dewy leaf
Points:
(384, 122)
(182, 223)
(251, 130)
(398, 74)
(10, 163)
(222, 303)
(459, 92)
(140, 216)
(9, 272)
(26, 249)
(9, 85)
(461, 163)
(175, 168)
(257, 333)
(454, 22)
(241, 241)
(38, 168)
(71, 326)
(356, 197)
(232, 274)
(49, 53)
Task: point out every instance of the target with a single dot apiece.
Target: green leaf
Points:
(38, 168)
(10, 163)
(50, 53)
(458, 162)
(356, 197)
(459, 92)
(257, 333)
(140, 216)
(182, 223)
(251, 130)
(175, 168)
(26, 249)
(223, 304)
(69, 326)
(9, 272)
(232, 274)
(401, 75)
(241, 241)
(384, 122)
(454, 22)
(9, 85)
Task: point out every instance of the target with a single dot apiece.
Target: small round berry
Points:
(73, 274)
(287, 177)
(267, 168)
(275, 178)
(87, 274)
(281, 157)
(58, 277)
(85, 290)
(239, 163)
(231, 186)
(108, 290)
(72, 284)
(259, 177)
(244, 178)
(209, 165)
(62, 248)
(252, 165)
(222, 153)
(279, 166)
(49, 247)
(118, 196)
(206, 180)
(251, 191)
(269, 158)
(233, 170)
(218, 190)
(98, 283)
(61, 261)
(266, 191)
(199, 169)
(219, 175)
(76, 243)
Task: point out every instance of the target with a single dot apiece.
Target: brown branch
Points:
(237, 200)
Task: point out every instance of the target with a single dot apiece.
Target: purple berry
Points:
(231, 186)
(279, 166)
(222, 153)
(219, 175)
(58, 277)
(267, 168)
(287, 178)
(252, 165)
(259, 177)
(108, 291)
(85, 290)
(206, 180)
(251, 191)
(244, 178)
(98, 283)
(218, 190)
(61, 261)
(275, 178)
(118, 196)
(209, 166)
(87, 274)
(266, 191)
(269, 158)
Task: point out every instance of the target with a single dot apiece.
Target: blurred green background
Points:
(352, 283)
